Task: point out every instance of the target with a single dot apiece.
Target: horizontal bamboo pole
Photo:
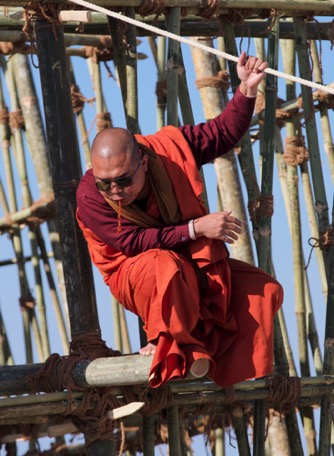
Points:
(324, 6)
(124, 370)
(97, 30)
(41, 209)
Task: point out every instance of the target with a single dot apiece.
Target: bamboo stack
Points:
(44, 153)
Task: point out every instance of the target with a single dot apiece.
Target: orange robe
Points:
(230, 323)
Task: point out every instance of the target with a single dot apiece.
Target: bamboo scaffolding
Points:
(325, 6)
(97, 31)
(188, 393)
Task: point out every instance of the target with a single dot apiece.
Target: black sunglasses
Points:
(122, 182)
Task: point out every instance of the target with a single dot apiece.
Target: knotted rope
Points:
(91, 416)
(151, 7)
(16, 120)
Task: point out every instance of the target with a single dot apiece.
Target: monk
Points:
(164, 257)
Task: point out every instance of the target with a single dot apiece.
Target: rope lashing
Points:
(295, 152)
(220, 81)
(184, 40)
(90, 417)
(283, 392)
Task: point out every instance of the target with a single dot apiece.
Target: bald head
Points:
(113, 142)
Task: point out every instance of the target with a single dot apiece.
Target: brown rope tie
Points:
(8, 48)
(27, 303)
(295, 152)
(283, 392)
(261, 206)
(98, 54)
(161, 91)
(324, 98)
(16, 120)
(78, 100)
(103, 121)
(210, 10)
(221, 81)
(4, 116)
(151, 7)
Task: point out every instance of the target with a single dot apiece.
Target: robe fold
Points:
(230, 322)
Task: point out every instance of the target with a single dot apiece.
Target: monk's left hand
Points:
(251, 72)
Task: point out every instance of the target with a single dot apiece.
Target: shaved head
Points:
(112, 142)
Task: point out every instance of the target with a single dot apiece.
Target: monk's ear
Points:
(144, 162)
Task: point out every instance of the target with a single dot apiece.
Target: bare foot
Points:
(148, 350)
(200, 367)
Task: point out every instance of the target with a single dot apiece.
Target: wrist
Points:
(247, 91)
(191, 227)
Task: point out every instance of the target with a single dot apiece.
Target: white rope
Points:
(167, 34)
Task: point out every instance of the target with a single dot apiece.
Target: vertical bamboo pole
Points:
(298, 263)
(15, 235)
(226, 166)
(159, 54)
(6, 357)
(148, 436)
(41, 334)
(174, 441)
(173, 26)
(66, 172)
(131, 75)
(34, 134)
(321, 205)
(245, 158)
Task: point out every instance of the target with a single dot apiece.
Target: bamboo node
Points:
(220, 81)
(283, 392)
(295, 151)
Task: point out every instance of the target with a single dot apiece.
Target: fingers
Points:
(231, 227)
(252, 63)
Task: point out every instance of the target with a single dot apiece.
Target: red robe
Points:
(231, 323)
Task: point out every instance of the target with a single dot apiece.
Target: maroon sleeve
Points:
(98, 216)
(218, 136)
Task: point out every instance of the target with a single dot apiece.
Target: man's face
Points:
(120, 177)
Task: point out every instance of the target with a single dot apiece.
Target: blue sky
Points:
(282, 251)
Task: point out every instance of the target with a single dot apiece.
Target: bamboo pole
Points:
(321, 205)
(325, 6)
(160, 51)
(192, 24)
(131, 76)
(323, 109)
(173, 424)
(16, 236)
(41, 329)
(298, 261)
(173, 26)
(35, 137)
(226, 166)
